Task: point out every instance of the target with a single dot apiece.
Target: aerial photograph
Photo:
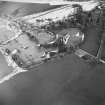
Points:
(52, 52)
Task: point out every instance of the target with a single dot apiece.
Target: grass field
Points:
(66, 81)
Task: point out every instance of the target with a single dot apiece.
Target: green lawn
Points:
(66, 81)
